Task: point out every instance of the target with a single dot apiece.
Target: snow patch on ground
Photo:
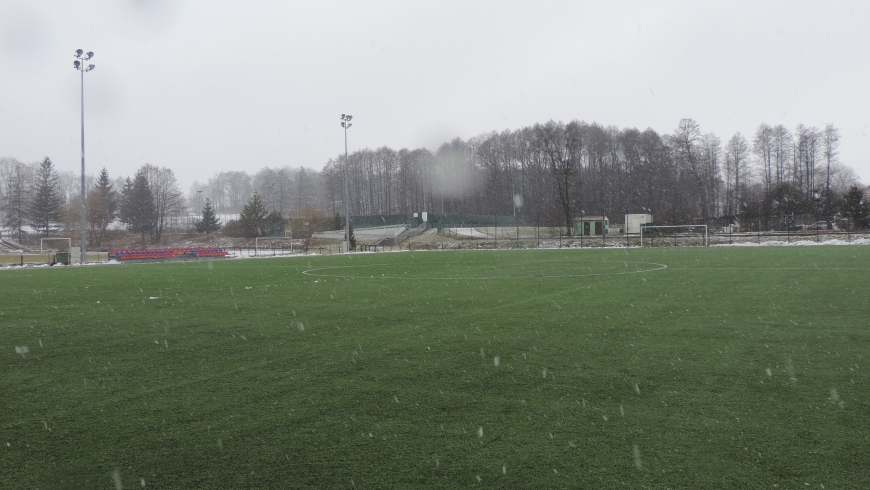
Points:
(469, 232)
(834, 241)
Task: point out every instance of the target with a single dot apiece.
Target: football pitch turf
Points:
(722, 367)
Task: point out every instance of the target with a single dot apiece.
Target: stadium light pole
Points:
(345, 123)
(281, 201)
(281, 178)
(79, 64)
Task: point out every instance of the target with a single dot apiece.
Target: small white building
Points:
(633, 222)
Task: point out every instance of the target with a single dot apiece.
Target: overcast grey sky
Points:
(207, 86)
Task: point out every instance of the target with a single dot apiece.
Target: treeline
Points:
(284, 190)
(546, 174)
(550, 173)
(34, 198)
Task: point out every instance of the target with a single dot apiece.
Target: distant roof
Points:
(591, 218)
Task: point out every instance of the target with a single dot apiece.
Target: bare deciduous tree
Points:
(736, 167)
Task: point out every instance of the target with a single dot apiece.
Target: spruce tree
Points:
(45, 209)
(253, 217)
(125, 204)
(209, 222)
(140, 204)
(274, 224)
(102, 206)
(855, 208)
(16, 205)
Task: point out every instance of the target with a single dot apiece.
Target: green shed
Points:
(591, 225)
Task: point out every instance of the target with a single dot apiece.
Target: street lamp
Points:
(281, 206)
(817, 198)
(79, 64)
(272, 195)
(281, 176)
(345, 123)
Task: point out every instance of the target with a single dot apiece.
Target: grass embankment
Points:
(729, 368)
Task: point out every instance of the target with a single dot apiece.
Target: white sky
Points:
(207, 86)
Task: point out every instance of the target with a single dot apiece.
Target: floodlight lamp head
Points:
(91, 67)
(90, 54)
(349, 125)
(79, 53)
(342, 124)
(77, 64)
(342, 117)
(349, 117)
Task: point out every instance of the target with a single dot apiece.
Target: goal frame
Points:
(68, 243)
(281, 238)
(647, 227)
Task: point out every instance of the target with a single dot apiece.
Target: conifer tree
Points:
(16, 205)
(352, 236)
(253, 217)
(125, 202)
(45, 209)
(855, 208)
(274, 224)
(102, 206)
(209, 222)
(139, 204)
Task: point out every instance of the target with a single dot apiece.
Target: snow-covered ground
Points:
(469, 232)
(830, 241)
(364, 234)
(246, 253)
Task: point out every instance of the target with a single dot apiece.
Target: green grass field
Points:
(649, 368)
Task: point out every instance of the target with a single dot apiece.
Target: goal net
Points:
(59, 244)
(269, 246)
(676, 235)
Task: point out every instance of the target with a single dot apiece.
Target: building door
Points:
(586, 228)
(599, 228)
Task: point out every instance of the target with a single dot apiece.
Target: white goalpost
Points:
(688, 233)
(272, 238)
(68, 243)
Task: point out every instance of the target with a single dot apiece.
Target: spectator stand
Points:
(163, 254)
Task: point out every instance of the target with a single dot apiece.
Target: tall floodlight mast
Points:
(79, 64)
(345, 123)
